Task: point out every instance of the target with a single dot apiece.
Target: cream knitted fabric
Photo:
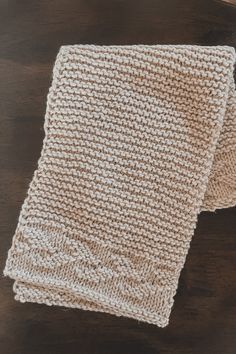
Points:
(126, 166)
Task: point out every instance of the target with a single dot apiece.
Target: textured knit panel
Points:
(221, 188)
(131, 134)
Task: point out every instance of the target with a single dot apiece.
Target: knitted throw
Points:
(138, 140)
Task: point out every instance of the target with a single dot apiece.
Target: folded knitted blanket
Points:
(138, 140)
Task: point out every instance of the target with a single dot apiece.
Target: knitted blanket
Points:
(138, 140)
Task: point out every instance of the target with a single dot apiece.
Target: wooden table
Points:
(204, 316)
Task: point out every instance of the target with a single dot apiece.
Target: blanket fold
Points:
(138, 140)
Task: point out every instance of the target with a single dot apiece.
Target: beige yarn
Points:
(126, 166)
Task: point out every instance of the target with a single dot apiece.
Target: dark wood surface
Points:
(31, 31)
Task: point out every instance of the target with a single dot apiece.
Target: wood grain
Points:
(31, 32)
